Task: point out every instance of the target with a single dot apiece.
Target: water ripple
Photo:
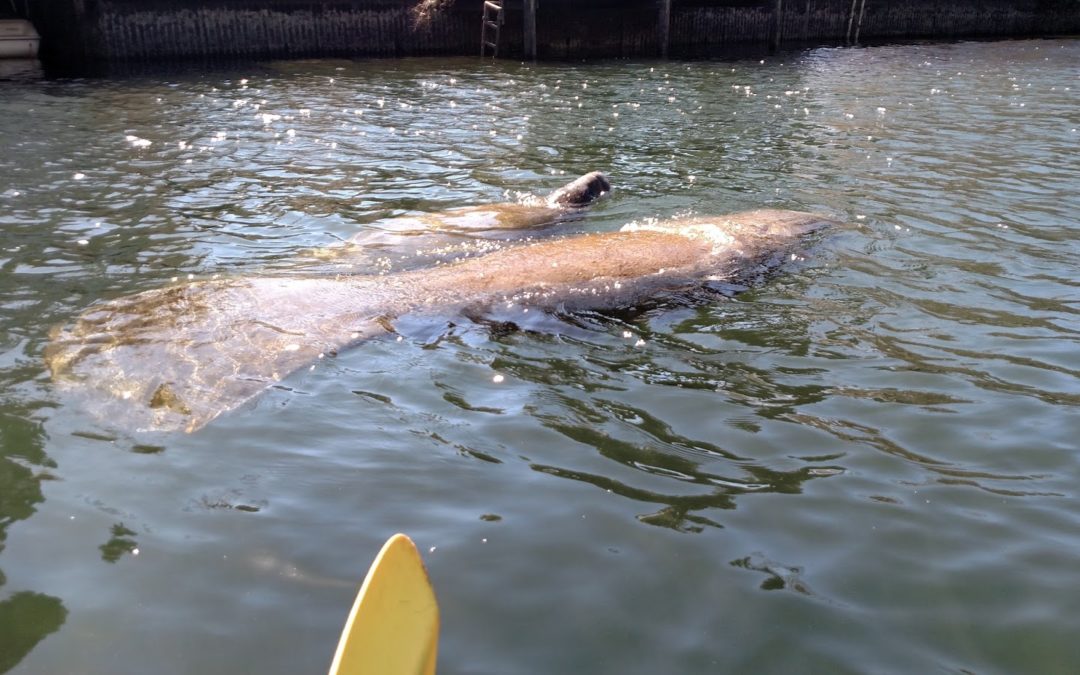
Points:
(923, 358)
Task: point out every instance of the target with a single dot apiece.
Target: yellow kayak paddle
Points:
(393, 628)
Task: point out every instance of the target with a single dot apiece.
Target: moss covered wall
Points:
(114, 30)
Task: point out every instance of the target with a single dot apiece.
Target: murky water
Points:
(867, 465)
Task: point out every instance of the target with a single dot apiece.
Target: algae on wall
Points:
(280, 29)
(115, 30)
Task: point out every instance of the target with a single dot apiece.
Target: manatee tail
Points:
(581, 191)
(175, 358)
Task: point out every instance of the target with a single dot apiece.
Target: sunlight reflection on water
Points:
(871, 459)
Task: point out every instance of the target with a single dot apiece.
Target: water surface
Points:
(866, 465)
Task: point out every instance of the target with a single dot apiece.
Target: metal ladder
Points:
(492, 24)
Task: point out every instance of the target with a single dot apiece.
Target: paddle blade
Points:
(393, 628)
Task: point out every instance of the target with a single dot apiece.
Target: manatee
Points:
(415, 240)
(529, 213)
(177, 357)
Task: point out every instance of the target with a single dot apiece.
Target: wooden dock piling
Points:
(663, 29)
(530, 29)
(777, 26)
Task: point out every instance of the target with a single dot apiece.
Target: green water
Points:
(868, 464)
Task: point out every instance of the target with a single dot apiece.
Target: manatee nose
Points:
(582, 191)
(598, 183)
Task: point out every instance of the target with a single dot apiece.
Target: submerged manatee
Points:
(177, 357)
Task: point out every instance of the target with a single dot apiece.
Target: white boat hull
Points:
(18, 39)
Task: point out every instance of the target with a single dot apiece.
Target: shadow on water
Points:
(677, 511)
(120, 543)
(686, 477)
(60, 246)
(26, 617)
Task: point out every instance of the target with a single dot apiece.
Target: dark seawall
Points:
(78, 31)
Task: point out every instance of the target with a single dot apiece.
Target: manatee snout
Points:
(581, 191)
